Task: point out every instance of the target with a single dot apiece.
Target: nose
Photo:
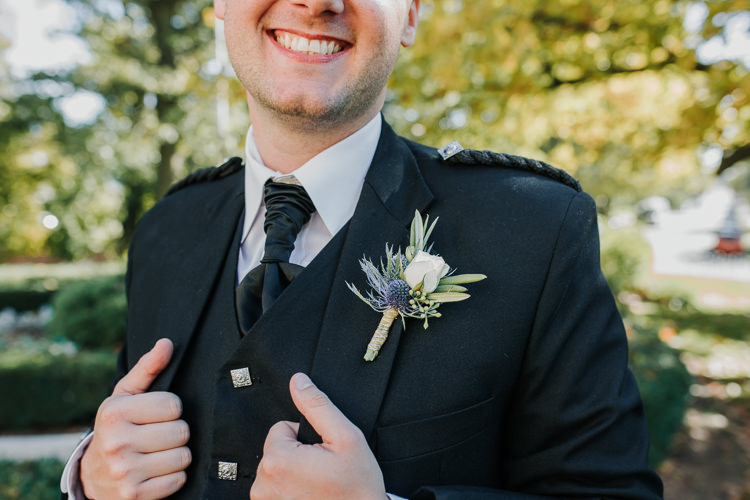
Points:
(318, 7)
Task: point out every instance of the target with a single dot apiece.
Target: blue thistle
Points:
(397, 295)
(387, 290)
(392, 296)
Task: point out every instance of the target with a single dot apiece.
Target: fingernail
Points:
(301, 381)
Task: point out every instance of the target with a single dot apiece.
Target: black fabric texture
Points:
(523, 389)
(217, 337)
(229, 167)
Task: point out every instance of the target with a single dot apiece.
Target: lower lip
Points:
(306, 58)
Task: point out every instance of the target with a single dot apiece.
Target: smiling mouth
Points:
(302, 45)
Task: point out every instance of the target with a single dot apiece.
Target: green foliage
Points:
(32, 480)
(611, 91)
(714, 325)
(664, 383)
(91, 313)
(25, 287)
(44, 390)
(624, 256)
(23, 299)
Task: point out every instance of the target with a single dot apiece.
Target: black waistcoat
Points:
(216, 338)
(228, 423)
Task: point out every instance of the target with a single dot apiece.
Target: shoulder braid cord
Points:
(226, 169)
(466, 156)
(474, 157)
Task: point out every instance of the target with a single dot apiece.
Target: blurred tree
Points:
(611, 91)
(629, 96)
(154, 64)
(32, 166)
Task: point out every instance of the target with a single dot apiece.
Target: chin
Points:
(316, 113)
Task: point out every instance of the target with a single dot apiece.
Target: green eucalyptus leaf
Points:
(460, 279)
(429, 231)
(450, 288)
(448, 296)
(418, 230)
(413, 234)
(410, 253)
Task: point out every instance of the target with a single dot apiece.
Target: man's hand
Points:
(342, 467)
(138, 448)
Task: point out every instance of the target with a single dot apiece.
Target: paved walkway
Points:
(34, 447)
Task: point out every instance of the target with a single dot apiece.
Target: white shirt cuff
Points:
(70, 482)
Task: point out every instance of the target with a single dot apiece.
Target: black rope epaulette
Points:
(227, 168)
(474, 157)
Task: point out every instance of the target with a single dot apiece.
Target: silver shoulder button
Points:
(450, 150)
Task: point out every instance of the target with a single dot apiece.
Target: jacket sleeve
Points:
(70, 483)
(575, 425)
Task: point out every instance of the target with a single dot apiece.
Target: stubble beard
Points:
(347, 106)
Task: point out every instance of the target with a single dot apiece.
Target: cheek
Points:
(244, 14)
(381, 20)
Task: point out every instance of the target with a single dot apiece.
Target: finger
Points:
(325, 418)
(161, 486)
(140, 377)
(165, 462)
(149, 407)
(281, 434)
(160, 436)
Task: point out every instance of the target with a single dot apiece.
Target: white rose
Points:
(426, 269)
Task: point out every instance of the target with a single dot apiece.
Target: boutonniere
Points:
(411, 284)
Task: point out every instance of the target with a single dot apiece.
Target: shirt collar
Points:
(333, 178)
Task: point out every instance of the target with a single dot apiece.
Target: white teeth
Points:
(305, 46)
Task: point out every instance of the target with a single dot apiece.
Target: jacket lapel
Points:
(393, 189)
(211, 233)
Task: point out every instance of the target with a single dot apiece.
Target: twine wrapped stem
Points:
(381, 333)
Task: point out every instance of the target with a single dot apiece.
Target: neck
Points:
(285, 146)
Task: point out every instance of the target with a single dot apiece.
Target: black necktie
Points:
(288, 208)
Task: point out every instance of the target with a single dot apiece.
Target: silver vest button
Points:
(228, 471)
(241, 377)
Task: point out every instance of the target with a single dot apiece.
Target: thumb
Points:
(323, 415)
(140, 377)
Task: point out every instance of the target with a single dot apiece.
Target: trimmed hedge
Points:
(26, 287)
(91, 313)
(664, 383)
(33, 480)
(44, 390)
(24, 299)
(624, 257)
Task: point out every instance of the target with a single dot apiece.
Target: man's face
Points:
(318, 63)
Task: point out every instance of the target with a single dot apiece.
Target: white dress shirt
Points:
(332, 178)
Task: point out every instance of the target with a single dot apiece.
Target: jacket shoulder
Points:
(208, 174)
(455, 154)
(190, 198)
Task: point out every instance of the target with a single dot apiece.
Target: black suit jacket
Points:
(522, 390)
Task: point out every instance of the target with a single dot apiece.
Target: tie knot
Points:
(288, 208)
